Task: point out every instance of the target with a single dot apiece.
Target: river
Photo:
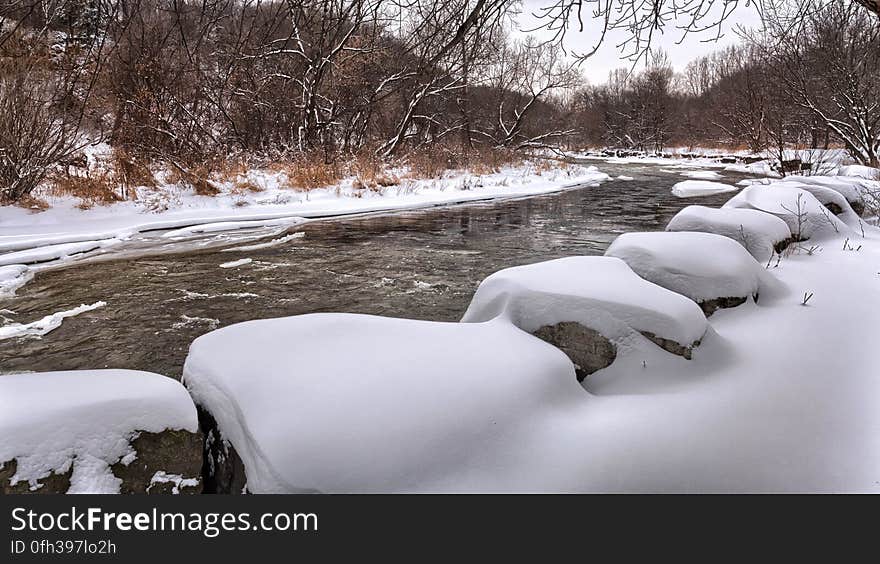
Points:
(422, 264)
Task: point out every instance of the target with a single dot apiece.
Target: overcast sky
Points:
(596, 69)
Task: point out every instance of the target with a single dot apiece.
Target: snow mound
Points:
(860, 171)
(702, 174)
(758, 232)
(849, 188)
(702, 266)
(12, 278)
(693, 188)
(408, 404)
(832, 199)
(237, 263)
(600, 293)
(806, 217)
(85, 418)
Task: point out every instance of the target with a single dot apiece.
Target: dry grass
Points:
(94, 189)
(131, 172)
(28, 202)
(433, 162)
(305, 173)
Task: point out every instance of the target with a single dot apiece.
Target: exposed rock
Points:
(53, 483)
(587, 348)
(711, 306)
(671, 346)
(176, 453)
(223, 471)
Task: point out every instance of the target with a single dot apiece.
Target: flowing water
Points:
(422, 264)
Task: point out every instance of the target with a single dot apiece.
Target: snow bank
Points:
(46, 324)
(860, 171)
(806, 217)
(758, 232)
(12, 278)
(65, 230)
(694, 188)
(702, 266)
(84, 418)
(600, 293)
(407, 404)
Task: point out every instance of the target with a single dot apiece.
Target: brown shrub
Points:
(91, 189)
(306, 173)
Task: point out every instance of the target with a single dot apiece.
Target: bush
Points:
(35, 135)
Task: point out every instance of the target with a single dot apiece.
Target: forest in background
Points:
(333, 84)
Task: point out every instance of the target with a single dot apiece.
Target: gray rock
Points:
(587, 348)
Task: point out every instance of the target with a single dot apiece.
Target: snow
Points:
(693, 188)
(860, 171)
(826, 196)
(600, 293)
(778, 398)
(236, 263)
(397, 410)
(13, 277)
(626, 178)
(54, 252)
(701, 174)
(162, 477)
(46, 324)
(268, 244)
(701, 266)
(756, 231)
(86, 418)
(849, 188)
(806, 217)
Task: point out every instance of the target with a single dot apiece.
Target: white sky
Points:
(596, 69)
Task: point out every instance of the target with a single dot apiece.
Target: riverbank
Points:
(65, 232)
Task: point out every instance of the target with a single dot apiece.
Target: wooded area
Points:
(190, 84)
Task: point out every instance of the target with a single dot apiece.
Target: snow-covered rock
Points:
(761, 234)
(12, 278)
(860, 171)
(806, 217)
(833, 201)
(358, 403)
(713, 270)
(849, 188)
(693, 188)
(95, 431)
(599, 294)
